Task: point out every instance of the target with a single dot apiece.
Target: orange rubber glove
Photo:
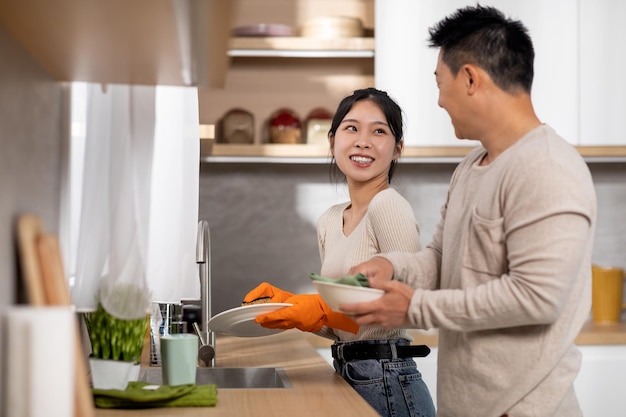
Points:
(266, 289)
(308, 313)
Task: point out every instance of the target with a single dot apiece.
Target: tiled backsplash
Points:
(263, 219)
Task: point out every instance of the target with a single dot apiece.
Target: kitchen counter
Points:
(316, 389)
(602, 334)
(591, 334)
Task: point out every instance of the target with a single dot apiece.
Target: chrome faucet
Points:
(206, 352)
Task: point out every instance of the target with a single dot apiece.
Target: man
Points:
(506, 278)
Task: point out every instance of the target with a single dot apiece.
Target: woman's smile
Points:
(362, 160)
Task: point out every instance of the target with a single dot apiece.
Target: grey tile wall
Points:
(263, 217)
(30, 157)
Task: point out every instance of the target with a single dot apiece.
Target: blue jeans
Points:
(393, 387)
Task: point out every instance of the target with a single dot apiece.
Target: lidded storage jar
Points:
(285, 127)
(317, 126)
(237, 126)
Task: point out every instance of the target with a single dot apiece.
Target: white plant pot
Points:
(112, 374)
(134, 372)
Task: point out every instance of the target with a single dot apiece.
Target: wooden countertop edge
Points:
(602, 334)
(591, 334)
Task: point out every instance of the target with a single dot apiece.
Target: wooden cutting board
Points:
(57, 292)
(29, 227)
(44, 279)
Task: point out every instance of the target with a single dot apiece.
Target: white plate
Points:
(239, 321)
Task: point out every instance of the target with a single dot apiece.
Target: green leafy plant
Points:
(114, 338)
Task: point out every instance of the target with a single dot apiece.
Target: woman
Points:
(366, 142)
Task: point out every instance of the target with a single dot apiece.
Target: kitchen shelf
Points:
(300, 47)
(318, 154)
(603, 153)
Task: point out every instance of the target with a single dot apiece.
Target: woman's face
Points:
(363, 145)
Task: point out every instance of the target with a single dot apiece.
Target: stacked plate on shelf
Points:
(263, 29)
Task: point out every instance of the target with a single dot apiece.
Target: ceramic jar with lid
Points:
(318, 124)
(285, 127)
(237, 126)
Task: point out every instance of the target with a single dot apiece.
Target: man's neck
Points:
(508, 124)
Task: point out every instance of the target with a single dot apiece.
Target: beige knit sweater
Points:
(389, 225)
(506, 280)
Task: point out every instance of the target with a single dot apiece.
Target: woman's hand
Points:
(267, 290)
(308, 313)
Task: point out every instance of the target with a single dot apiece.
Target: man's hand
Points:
(376, 268)
(389, 311)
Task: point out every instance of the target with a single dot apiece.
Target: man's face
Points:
(451, 95)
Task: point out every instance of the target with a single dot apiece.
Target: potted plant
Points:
(116, 344)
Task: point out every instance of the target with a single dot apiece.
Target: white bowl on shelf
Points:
(330, 27)
(336, 294)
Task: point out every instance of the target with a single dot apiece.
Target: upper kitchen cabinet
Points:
(150, 42)
(405, 64)
(572, 89)
(299, 72)
(602, 62)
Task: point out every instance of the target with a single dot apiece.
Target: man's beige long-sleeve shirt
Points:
(506, 280)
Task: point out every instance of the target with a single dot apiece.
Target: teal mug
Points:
(179, 358)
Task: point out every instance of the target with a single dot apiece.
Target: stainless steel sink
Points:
(241, 378)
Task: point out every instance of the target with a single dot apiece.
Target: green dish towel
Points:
(135, 396)
(358, 280)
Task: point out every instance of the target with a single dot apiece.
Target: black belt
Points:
(361, 351)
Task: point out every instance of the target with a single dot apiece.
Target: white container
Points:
(40, 371)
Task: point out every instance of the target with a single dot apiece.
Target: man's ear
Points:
(472, 78)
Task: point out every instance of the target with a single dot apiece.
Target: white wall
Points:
(404, 64)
